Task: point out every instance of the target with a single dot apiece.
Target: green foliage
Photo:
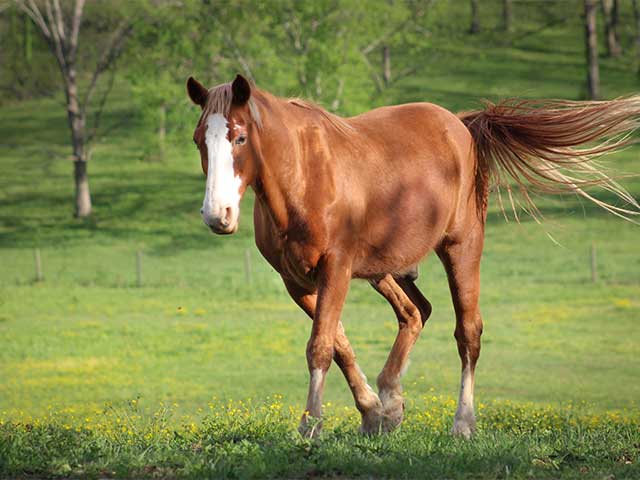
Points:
(26, 69)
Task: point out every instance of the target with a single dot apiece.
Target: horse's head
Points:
(224, 136)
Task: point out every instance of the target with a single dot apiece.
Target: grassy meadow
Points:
(201, 371)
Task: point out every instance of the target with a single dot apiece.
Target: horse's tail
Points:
(552, 146)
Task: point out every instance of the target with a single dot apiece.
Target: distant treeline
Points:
(345, 54)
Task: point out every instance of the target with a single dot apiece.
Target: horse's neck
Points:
(292, 163)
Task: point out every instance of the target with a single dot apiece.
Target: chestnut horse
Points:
(370, 196)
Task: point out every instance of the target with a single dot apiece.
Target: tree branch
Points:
(243, 62)
(413, 17)
(34, 13)
(98, 114)
(59, 22)
(58, 48)
(75, 29)
(374, 74)
(110, 54)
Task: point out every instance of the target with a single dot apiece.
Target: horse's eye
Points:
(241, 140)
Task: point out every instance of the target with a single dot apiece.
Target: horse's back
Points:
(425, 119)
(418, 138)
(418, 168)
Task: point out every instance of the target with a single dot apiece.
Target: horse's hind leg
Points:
(462, 263)
(412, 310)
(367, 402)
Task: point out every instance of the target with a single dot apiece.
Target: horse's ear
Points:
(241, 90)
(197, 92)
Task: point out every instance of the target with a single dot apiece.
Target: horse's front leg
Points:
(334, 275)
(367, 401)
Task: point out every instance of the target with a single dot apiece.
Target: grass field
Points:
(100, 377)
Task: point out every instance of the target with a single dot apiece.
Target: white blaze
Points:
(223, 185)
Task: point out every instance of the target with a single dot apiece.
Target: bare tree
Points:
(384, 77)
(591, 44)
(60, 28)
(636, 14)
(507, 15)
(386, 65)
(611, 16)
(475, 16)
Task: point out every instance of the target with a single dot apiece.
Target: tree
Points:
(318, 42)
(611, 17)
(591, 48)
(636, 15)
(398, 27)
(507, 15)
(162, 53)
(60, 28)
(475, 16)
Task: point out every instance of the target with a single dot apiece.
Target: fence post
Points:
(38, 261)
(594, 266)
(247, 266)
(139, 268)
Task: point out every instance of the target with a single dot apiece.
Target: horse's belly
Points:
(398, 256)
(398, 234)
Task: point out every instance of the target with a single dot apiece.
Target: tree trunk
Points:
(610, 13)
(386, 65)
(591, 44)
(162, 130)
(475, 16)
(83, 195)
(636, 14)
(27, 39)
(77, 126)
(507, 15)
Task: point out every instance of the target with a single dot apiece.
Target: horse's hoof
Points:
(382, 420)
(372, 422)
(393, 417)
(393, 414)
(464, 427)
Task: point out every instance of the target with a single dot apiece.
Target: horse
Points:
(369, 196)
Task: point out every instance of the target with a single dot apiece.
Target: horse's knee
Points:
(319, 354)
(411, 318)
(467, 335)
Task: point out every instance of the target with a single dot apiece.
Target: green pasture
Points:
(89, 346)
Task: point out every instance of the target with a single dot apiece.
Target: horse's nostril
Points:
(201, 211)
(227, 216)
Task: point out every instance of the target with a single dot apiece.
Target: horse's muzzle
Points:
(223, 230)
(225, 224)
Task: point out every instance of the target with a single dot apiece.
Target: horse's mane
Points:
(338, 123)
(219, 100)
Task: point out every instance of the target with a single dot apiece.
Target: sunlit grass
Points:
(249, 439)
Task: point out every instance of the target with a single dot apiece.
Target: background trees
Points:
(591, 49)
(59, 24)
(347, 55)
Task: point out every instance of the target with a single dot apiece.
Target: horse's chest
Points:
(299, 261)
(294, 258)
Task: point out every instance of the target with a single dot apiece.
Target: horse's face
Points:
(226, 152)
